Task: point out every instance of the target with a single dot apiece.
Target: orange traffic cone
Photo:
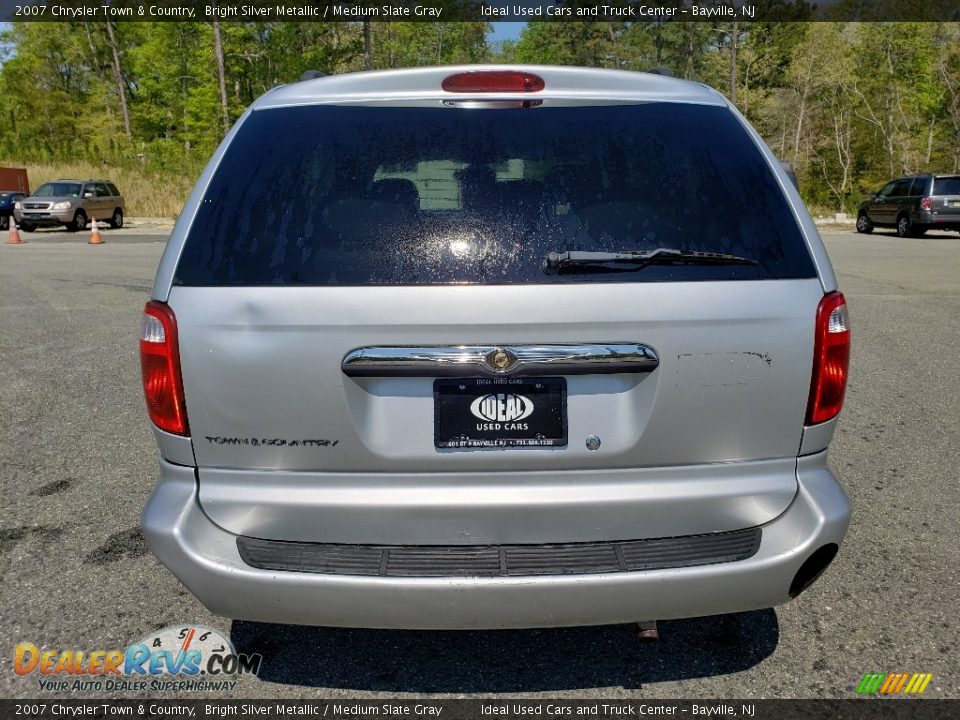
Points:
(13, 235)
(95, 238)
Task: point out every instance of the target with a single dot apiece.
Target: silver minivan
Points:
(492, 347)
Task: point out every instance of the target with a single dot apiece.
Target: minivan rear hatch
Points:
(371, 230)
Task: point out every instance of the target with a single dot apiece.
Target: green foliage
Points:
(848, 104)
(569, 43)
(416, 44)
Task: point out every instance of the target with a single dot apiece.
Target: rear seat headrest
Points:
(397, 190)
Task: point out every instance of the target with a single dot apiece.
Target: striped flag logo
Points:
(894, 683)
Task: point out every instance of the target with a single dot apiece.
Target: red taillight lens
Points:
(926, 203)
(831, 359)
(160, 363)
(493, 81)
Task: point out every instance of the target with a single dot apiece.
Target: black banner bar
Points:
(868, 708)
(476, 10)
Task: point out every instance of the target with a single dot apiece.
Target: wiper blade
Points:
(630, 260)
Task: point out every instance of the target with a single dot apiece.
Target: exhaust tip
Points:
(813, 568)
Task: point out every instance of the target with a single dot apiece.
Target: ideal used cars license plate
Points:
(500, 412)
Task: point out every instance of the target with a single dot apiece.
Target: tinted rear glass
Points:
(946, 186)
(919, 186)
(902, 188)
(323, 195)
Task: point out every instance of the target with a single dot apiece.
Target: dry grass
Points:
(145, 194)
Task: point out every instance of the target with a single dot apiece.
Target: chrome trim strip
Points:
(460, 360)
(500, 560)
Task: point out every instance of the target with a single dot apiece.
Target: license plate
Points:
(500, 412)
(953, 203)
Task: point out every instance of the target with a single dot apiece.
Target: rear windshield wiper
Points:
(627, 261)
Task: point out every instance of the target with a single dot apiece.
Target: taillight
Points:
(926, 203)
(493, 81)
(831, 359)
(160, 363)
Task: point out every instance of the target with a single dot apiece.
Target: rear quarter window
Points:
(902, 188)
(320, 195)
(946, 186)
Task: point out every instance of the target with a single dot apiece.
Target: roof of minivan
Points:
(416, 85)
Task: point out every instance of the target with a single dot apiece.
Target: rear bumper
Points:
(940, 220)
(206, 559)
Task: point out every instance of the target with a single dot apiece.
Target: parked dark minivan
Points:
(913, 205)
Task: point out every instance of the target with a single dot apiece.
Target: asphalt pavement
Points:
(77, 462)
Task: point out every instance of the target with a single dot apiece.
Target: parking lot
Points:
(77, 463)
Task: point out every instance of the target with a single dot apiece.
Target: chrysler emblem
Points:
(500, 360)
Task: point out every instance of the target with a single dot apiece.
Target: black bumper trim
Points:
(499, 560)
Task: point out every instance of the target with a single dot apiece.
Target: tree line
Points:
(848, 104)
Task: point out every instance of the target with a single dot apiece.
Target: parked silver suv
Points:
(71, 203)
(489, 347)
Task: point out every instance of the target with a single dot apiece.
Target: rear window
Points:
(322, 195)
(946, 185)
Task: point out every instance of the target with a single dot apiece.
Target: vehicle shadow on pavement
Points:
(507, 661)
(932, 235)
